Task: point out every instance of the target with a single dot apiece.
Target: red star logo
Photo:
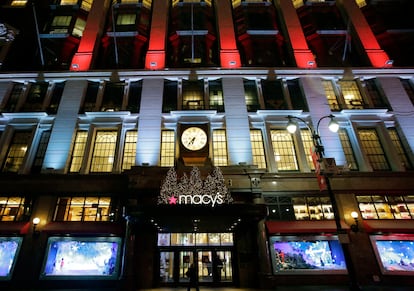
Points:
(172, 200)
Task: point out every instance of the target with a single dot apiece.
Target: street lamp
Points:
(318, 153)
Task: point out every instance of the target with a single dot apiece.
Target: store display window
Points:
(307, 255)
(82, 258)
(395, 253)
(9, 250)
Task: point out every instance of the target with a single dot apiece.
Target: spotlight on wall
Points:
(35, 221)
(354, 226)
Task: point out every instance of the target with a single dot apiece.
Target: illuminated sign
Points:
(192, 190)
(204, 199)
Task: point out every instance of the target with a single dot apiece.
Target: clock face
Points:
(194, 138)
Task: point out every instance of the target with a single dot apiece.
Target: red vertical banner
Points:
(321, 178)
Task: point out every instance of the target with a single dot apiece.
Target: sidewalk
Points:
(292, 288)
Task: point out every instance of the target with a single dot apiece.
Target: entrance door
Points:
(212, 266)
(186, 258)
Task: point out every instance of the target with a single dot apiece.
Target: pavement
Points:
(293, 288)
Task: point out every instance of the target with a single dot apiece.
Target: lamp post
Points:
(318, 156)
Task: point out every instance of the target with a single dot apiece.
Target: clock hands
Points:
(191, 141)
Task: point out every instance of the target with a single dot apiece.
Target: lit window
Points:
(308, 146)
(352, 95)
(373, 150)
(193, 95)
(220, 148)
(11, 208)
(284, 150)
(330, 95)
(258, 152)
(60, 24)
(386, 206)
(126, 19)
(18, 2)
(79, 27)
(17, 151)
(86, 5)
(130, 148)
(103, 155)
(84, 209)
(399, 148)
(348, 151)
(68, 2)
(167, 148)
(78, 151)
(216, 95)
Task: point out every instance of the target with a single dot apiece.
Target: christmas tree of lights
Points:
(213, 185)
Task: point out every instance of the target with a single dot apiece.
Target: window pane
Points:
(193, 95)
(130, 147)
(348, 151)
(17, 151)
(11, 208)
(256, 139)
(284, 150)
(372, 147)
(308, 147)
(167, 148)
(352, 95)
(219, 148)
(104, 151)
(330, 95)
(399, 148)
(78, 151)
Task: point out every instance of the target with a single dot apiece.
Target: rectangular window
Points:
(376, 95)
(297, 98)
(308, 146)
(90, 97)
(103, 155)
(134, 96)
(312, 208)
(41, 151)
(373, 150)
(409, 88)
(193, 95)
(328, 86)
(386, 206)
(216, 95)
(130, 148)
(83, 209)
(11, 208)
(78, 151)
(113, 96)
(273, 94)
(250, 93)
(348, 151)
(60, 24)
(17, 151)
(220, 148)
(169, 102)
(79, 27)
(35, 97)
(56, 97)
(284, 150)
(14, 97)
(126, 19)
(399, 148)
(258, 152)
(352, 95)
(167, 148)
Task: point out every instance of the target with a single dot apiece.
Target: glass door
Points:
(166, 267)
(205, 266)
(186, 259)
(223, 266)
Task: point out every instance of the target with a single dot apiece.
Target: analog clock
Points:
(194, 138)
